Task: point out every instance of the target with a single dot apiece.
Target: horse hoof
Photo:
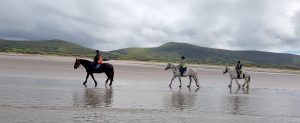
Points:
(188, 86)
(229, 86)
(198, 86)
(84, 83)
(170, 86)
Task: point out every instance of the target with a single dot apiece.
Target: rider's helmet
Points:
(182, 57)
(238, 61)
(97, 51)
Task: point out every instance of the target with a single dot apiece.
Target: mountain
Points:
(195, 54)
(52, 47)
(169, 52)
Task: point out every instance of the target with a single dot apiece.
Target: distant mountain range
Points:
(169, 52)
(51, 47)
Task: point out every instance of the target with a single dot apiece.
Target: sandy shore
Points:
(37, 88)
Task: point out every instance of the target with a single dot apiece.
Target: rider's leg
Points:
(238, 73)
(181, 71)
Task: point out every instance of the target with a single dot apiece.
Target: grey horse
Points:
(191, 73)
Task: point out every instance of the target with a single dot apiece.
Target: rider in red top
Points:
(98, 60)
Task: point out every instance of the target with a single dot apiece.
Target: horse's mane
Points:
(84, 60)
(174, 65)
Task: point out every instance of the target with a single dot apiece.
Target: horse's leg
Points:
(244, 84)
(230, 83)
(87, 76)
(107, 78)
(246, 80)
(230, 90)
(196, 81)
(106, 81)
(171, 81)
(190, 81)
(94, 79)
(237, 83)
(180, 82)
(111, 77)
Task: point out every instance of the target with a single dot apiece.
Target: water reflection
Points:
(182, 100)
(237, 103)
(94, 97)
(237, 91)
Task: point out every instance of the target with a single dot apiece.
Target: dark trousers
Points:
(238, 72)
(182, 70)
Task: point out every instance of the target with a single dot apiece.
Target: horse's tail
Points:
(112, 74)
(196, 76)
(249, 79)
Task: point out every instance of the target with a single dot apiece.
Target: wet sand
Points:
(47, 89)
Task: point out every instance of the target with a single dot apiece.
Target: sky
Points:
(264, 25)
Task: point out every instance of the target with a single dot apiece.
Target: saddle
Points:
(96, 67)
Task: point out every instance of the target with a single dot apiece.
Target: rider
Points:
(98, 59)
(238, 68)
(182, 65)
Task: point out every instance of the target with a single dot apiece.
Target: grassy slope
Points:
(169, 52)
(196, 54)
(53, 47)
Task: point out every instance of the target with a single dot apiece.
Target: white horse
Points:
(191, 73)
(233, 75)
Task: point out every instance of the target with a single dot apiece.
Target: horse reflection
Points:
(237, 102)
(180, 100)
(94, 97)
(237, 91)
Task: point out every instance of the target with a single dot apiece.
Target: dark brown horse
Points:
(107, 68)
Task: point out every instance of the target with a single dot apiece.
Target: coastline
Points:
(153, 64)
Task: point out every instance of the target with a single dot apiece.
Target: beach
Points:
(37, 88)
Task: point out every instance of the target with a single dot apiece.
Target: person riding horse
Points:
(238, 68)
(98, 60)
(182, 65)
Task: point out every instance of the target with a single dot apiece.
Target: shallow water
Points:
(139, 94)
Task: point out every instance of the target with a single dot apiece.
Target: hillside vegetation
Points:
(169, 52)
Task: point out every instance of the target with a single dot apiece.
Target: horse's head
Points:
(168, 66)
(226, 70)
(77, 63)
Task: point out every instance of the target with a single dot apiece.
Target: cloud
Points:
(265, 25)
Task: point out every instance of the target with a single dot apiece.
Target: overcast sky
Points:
(266, 25)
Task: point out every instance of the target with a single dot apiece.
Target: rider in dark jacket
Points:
(238, 68)
(182, 66)
(96, 59)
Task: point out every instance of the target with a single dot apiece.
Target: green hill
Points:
(195, 54)
(169, 52)
(51, 47)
